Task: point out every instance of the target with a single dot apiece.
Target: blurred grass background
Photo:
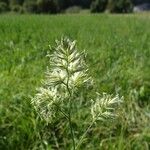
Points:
(118, 56)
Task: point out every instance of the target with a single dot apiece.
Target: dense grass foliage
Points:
(118, 53)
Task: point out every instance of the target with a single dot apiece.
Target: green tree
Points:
(30, 6)
(16, 2)
(120, 6)
(4, 5)
(85, 3)
(63, 4)
(98, 5)
(48, 6)
(81, 3)
(4, 1)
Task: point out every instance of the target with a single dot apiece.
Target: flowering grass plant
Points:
(64, 77)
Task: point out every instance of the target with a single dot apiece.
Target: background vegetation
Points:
(118, 52)
(60, 6)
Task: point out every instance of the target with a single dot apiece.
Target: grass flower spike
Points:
(45, 102)
(67, 65)
(67, 71)
(104, 106)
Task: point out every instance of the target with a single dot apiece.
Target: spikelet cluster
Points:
(104, 106)
(45, 102)
(67, 71)
(67, 65)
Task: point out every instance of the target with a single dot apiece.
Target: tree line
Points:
(60, 6)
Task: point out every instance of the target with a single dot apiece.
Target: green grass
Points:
(118, 56)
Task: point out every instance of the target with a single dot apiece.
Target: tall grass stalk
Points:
(67, 73)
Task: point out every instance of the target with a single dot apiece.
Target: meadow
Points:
(118, 57)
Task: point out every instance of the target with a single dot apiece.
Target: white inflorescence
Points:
(68, 66)
(44, 102)
(67, 71)
(104, 106)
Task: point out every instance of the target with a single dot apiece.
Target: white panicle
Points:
(67, 65)
(104, 106)
(67, 72)
(44, 102)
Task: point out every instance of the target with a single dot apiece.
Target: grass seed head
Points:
(67, 71)
(104, 106)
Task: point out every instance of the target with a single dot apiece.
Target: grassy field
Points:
(118, 56)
